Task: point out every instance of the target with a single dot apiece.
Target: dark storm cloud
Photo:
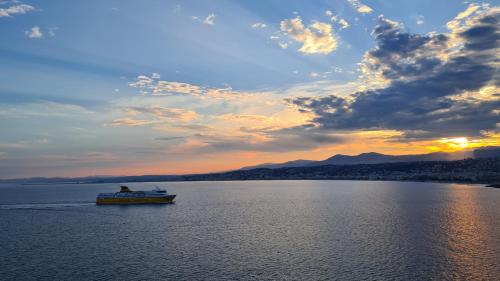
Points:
(484, 35)
(422, 89)
(400, 54)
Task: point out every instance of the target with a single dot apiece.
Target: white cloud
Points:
(365, 9)
(317, 38)
(165, 87)
(419, 19)
(155, 75)
(34, 32)
(154, 87)
(360, 7)
(16, 9)
(335, 18)
(283, 45)
(210, 19)
(343, 24)
(259, 25)
(332, 17)
(151, 85)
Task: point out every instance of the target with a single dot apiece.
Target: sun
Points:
(455, 143)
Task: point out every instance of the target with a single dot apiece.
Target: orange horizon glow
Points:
(222, 162)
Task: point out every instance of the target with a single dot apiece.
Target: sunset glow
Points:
(187, 87)
(455, 143)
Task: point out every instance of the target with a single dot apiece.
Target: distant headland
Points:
(479, 166)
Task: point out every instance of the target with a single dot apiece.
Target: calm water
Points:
(263, 230)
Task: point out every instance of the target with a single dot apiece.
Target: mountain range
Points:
(378, 158)
(480, 166)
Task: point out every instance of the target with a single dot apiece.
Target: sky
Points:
(170, 87)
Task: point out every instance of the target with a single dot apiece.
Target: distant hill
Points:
(481, 170)
(481, 166)
(487, 152)
(377, 158)
(296, 163)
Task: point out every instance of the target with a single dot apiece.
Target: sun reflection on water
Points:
(468, 230)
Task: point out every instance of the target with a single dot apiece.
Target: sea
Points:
(253, 230)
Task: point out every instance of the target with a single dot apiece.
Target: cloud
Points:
(170, 138)
(16, 9)
(152, 85)
(364, 9)
(259, 25)
(429, 86)
(244, 117)
(131, 122)
(283, 45)
(343, 24)
(210, 19)
(24, 144)
(176, 87)
(151, 115)
(458, 20)
(340, 21)
(360, 7)
(419, 20)
(34, 33)
(163, 113)
(44, 109)
(316, 39)
(281, 140)
(473, 28)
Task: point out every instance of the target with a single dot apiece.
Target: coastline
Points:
(484, 184)
(468, 171)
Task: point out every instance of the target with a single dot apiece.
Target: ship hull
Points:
(169, 199)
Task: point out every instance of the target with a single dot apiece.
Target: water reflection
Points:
(262, 230)
(468, 229)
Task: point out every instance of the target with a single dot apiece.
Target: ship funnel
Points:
(125, 188)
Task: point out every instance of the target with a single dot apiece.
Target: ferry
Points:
(127, 196)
